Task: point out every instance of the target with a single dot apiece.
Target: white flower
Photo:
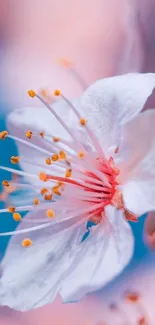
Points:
(103, 169)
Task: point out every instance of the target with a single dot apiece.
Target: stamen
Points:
(11, 209)
(82, 121)
(5, 183)
(43, 177)
(29, 144)
(81, 154)
(77, 218)
(3, 135)
(42, 134)
(32, 93)
(50, 213)
(57, 92)
(29, 134)
(27, 242)
(15, 160)
(62, 155)
(17, 217)
(48, 197)
(36, 201)
(56, 139)
(17, 172)
(43, 191)
(48, 161)
(68, 172)
(50, 108)
(56, 190)
(55, 157)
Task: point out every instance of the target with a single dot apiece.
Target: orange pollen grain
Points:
(31, 93)
(43, 191)
(17, 216)
(50, 213)
(68, 172)
(62, 155)
(57, 92)
(15, 160)
(29, 134)
(36, 201)
(82, 121)
(43, 177)
(5, 183)
(55, 157)
(3, 135)
(56, 139)
(41, 134)
(26, 242)
(48, 197)
(81, 154)
(55, 190)
(11, 209)
(48, 161)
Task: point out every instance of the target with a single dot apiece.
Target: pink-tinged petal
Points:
(137, 148)
(110, 103)
(101, 257)
(139, 196)
(31, 276)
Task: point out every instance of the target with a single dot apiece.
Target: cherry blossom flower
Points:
(88, 164)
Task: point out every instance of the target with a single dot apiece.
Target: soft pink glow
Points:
(101, 37)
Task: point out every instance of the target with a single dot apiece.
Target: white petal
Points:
(138, 163)
(139, 196)
(101, 257)
(137, 147)
(31, 276)
(111, 102)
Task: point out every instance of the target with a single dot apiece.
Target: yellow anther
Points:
(5, 183)
(48, 161)
(83, 121)
(15, 160)
(57, 92)
(43, 177)
(56, 139)
(55, 190)
(36, 202)
(68, 172)
(65, 63)
(43, 191)
(48, 197)
(81, 154)
(62, 155)
(50, 213)
(55, 157)
(11, 209)
(27, 242)
(42, 134)
(29, 134)
(17, 217)
(31, 93)
(3, 135)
